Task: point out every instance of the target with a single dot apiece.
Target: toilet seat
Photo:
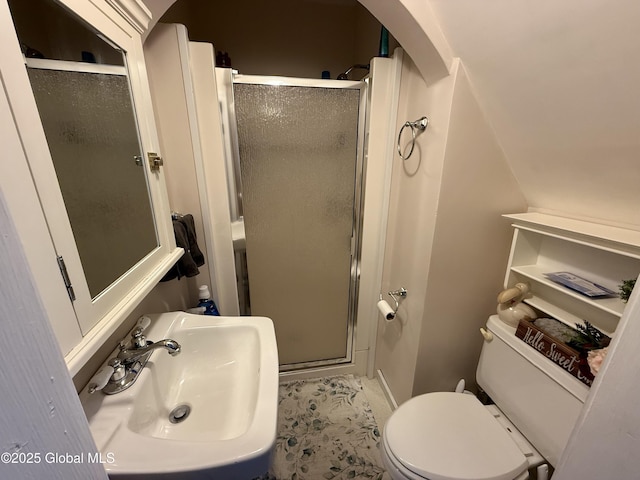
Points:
(451, 436)
(393, 466)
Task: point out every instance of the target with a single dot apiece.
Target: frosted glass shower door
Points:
(298, 150)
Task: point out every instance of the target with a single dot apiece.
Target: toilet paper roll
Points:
(386, 310)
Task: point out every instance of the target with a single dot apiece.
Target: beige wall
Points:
(57, 34)
(415, 187)
(173, 123)
(470, 248)
(289, 37)
(446, 242)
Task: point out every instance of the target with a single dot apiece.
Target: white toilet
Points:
(452, 436)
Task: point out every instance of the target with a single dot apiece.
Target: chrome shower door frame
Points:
(358, 204)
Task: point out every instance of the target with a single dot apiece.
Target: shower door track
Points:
(356, 239)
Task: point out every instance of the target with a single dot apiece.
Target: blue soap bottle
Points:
(205, 301)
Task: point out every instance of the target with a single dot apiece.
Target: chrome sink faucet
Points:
(130, 355)
(123, 369)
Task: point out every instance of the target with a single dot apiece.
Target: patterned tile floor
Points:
(327, 430)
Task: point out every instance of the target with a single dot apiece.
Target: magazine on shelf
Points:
(579, 284)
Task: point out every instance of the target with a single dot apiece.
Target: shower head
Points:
(345, 75)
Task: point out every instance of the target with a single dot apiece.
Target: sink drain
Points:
(179, 414)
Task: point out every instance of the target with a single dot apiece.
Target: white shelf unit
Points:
(602, 254)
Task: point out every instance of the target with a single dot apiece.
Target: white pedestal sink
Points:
(209, 412)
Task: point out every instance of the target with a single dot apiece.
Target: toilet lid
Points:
(452, 436)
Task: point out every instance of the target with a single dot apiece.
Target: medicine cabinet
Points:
(77, 85)
(605, 255)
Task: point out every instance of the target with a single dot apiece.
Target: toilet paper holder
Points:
(402, 293)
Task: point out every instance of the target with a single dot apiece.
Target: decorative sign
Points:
(569, 359)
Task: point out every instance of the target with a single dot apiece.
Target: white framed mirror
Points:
(82, 105)
(88, 119)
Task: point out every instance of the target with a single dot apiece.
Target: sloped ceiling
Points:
(560, 83)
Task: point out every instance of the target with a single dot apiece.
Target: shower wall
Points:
(165, 60)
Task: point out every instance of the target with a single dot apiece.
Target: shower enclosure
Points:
(296, 148)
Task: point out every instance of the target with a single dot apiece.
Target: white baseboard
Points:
(386, 390)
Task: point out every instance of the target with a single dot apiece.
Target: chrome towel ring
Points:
(419, 125)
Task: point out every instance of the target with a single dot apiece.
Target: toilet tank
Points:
(541, 400)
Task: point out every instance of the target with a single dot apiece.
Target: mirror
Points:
(81, 87)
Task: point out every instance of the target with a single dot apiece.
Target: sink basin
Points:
(208, 412)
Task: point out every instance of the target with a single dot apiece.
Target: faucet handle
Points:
(100, 379)
(138, 339)
(143, 322)
(119, 371)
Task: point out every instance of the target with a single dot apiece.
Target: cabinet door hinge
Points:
(66, 279)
